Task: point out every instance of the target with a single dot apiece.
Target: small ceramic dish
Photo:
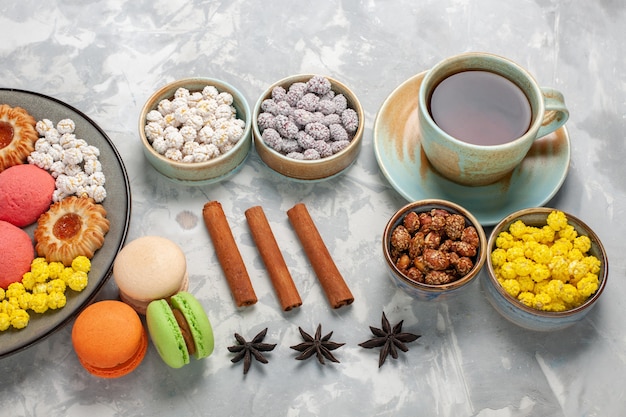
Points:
(214, 169)
(434, 291)
(309, 170)
(521, 314)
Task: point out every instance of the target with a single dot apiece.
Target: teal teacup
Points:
(480, 113)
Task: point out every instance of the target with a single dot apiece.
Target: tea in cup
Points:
(480, 113)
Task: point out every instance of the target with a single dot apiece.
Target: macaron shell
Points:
(26, 192)
(149, 268)
(16, 253)
(199, 323)
(166, 334)
(109, 339)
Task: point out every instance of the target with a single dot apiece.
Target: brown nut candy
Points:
(434, 247)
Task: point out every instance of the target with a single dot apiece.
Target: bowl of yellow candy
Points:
(546, 269)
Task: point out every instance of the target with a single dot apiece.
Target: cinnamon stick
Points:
(263, 237)
(333, 284)
(228, 254)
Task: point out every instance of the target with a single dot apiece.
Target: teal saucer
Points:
(403, 163)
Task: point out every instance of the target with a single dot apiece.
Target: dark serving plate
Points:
(117, 203)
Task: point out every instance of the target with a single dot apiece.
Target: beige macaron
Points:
(149, 268)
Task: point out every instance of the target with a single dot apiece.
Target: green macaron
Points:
(179, 329)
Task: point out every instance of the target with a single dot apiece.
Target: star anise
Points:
(248, 350)
(390, 339)
(319, 346)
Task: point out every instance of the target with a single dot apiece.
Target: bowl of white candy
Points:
(196, 130)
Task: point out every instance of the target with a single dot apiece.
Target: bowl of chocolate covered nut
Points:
(433, 248)
(196, 130)
(308, 127)
(546, 269)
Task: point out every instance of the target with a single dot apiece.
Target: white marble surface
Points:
(106, 57)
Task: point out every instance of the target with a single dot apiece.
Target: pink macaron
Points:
(17, 253)
(25, 193)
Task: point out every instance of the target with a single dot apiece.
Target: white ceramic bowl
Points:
(309, 170)
(423, 291)
(210, 171)
(528, 317)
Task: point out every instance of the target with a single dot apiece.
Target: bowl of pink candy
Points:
(308, 127)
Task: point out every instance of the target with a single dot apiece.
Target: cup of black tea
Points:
(480, 113)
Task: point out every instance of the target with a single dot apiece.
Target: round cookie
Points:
(109, 339)
(17, 253)
(149, 268)
(71, 227)
(17, 135)
(25, 193)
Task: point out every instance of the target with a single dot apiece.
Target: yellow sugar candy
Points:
(539, 273)
(56, 300)
(39, 269)
(82, 264)
(588, 285)
(559, 268)
(55, 269)
(523, 266)
(582, 243)
(526, 284)
(15, 289)
(5, 321)
(511, 286)
(506, 271)
(504, 240)
(593, 263)
(568, 232)
(24, 300)
(569, 294)
(517, 229)
(498, 257)
(66, 274)
(542, 299)
(42, 288)
(557, 220)
(561, 247)
(28, 280)
(78, 281)
(515, 251)
(546, 268)
(56, 285)
(19, 319)
(527, 298)
(39, 303)
(541, 254)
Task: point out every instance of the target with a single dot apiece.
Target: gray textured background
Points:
(107, 57)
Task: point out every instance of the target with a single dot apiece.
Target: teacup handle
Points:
(556, 114)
